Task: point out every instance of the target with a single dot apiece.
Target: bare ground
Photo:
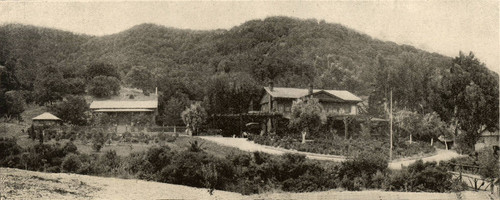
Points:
(21, 184)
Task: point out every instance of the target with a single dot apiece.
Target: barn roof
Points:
(295, 93)
(46, 116)
(124, 104)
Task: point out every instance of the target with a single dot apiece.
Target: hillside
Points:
(226, 68)
(290, 51)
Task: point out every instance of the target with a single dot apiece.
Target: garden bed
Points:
(344, 147)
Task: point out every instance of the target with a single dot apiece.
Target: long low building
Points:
(124, 110)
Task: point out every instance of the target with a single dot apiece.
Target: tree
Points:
(422, 127)
(49, 85)
(75, 86)
(73, 110)
(470, 95)
(173, 109)
(104, 86)
(231, 93)
(174, 98)
(194, 117)
(8, 79)
(15, 104)
(140, 77)
(102, 69)
(307, 115)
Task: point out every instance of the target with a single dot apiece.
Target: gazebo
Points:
(46, 119)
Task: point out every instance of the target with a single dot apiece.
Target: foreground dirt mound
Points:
(21, 184)
(18, 184)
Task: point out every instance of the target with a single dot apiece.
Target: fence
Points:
(474, 181)
(123, 129)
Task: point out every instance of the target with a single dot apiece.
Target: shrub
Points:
(421, 176)
(45, 156)
(303, 183)
(8, 147)
(88, 164)
(71, 163)
(147, 165)
(69, 147)
(186, 169)
(108, 162)
(364, 165)
(98, 140)
(488, 163)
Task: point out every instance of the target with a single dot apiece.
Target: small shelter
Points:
(46, 119)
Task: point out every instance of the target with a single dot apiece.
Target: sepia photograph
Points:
(230, 100)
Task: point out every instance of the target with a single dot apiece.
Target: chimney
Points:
(156, 91)
(310, 88)
(271, 85)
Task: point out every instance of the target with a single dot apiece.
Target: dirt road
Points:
(250, 146)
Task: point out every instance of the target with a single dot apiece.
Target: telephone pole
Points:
(390, 118)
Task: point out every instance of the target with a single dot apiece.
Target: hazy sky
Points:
(445, 27)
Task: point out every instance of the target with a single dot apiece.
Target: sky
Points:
(445, 27)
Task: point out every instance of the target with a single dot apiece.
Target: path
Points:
(250, 146)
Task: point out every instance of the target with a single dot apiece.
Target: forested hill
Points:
(290, 51)
(226, 69)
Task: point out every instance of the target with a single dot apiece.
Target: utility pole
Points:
(390, 118)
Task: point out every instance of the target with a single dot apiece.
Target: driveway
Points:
(250, 146)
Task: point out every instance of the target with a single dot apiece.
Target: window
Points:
(347, 109)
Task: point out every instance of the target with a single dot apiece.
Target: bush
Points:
(147, 165)
(69, 147)
(71, 163)
(98, 141)
(421, 177)
(357, 172)
(45, 157)
(8, 148)
(488, 163)
(303, 183)
(108, 163)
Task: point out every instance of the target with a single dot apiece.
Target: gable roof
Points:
(295, 93)
(124, 104)
(46, 116)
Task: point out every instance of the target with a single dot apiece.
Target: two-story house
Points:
(279, 100)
